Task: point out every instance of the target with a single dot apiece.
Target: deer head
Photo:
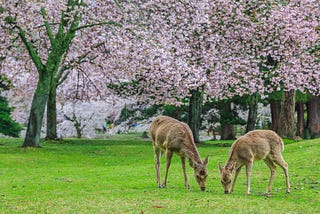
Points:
(201, 173)
(226, 177)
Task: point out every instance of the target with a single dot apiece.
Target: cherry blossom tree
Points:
(227, 48)
(45, 36)
(169, 51)
(187, 51)
(288, 34)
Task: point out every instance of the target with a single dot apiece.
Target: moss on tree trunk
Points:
(52, 113)
(32, 138)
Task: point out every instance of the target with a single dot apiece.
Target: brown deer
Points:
(172, 136)
(256, 145)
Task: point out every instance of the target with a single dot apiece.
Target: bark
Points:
(313, 119)
(227, 132)
(287, 126)
(227, 128)
(300, 119)
(52, 113)
(253, 113)
(32, 138)
(195, 110)
(275, 114)
(77, 125)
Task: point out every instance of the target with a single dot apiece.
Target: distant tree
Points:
(78, 120)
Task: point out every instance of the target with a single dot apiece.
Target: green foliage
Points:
(150, 111)
(5, 83)
(302, 97)
(228, 116)
(276, 96)
(126, 113)
(147, 112)
(117, 175)
(7, 125)
(178, 112)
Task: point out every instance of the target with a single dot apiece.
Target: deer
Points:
(256, 145)
(171, 136)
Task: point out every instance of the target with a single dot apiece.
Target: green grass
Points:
(117, 175)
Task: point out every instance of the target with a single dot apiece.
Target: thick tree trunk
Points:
(227, 132)
(313, 119)
(300, 119)
(275, 114)
(227, 129)
(32, 138)
(287, 126)
(253, 113)
(195, 109)
(52, 113)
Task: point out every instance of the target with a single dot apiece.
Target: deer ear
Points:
(205, 162)
(220, 167)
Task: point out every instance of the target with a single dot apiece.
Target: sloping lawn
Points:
(117, 175)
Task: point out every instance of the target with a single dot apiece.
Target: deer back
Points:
(170, 133)
(256, 144)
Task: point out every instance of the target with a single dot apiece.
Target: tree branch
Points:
(97, 24)
(60, 78)
(32, 52)
(48, 28)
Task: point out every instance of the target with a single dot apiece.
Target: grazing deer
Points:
(263, 145)
(172, 136)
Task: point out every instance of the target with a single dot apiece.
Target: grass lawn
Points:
(117, 175)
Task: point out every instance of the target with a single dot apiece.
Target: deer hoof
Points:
(163, 186)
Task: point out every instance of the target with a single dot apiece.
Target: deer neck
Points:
(232, 160)
(193, 156)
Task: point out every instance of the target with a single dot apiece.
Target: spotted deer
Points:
(172, 136)
(256, 145)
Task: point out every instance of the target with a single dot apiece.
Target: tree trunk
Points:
(227, 132)
(227, 129)
(253, 113)
(77, 125)
(275, 114)
(52, 113)
(313, 119)
(300, 119)
(287, 125)
(195, 109)
(32, 138)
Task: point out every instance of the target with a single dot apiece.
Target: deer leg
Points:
(157, 155)
(183, 163)
(168, 162)
(272, 167)
(281, 162)
(235, 177)
(248, 173)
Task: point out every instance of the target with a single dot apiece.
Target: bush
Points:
(7, 125)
